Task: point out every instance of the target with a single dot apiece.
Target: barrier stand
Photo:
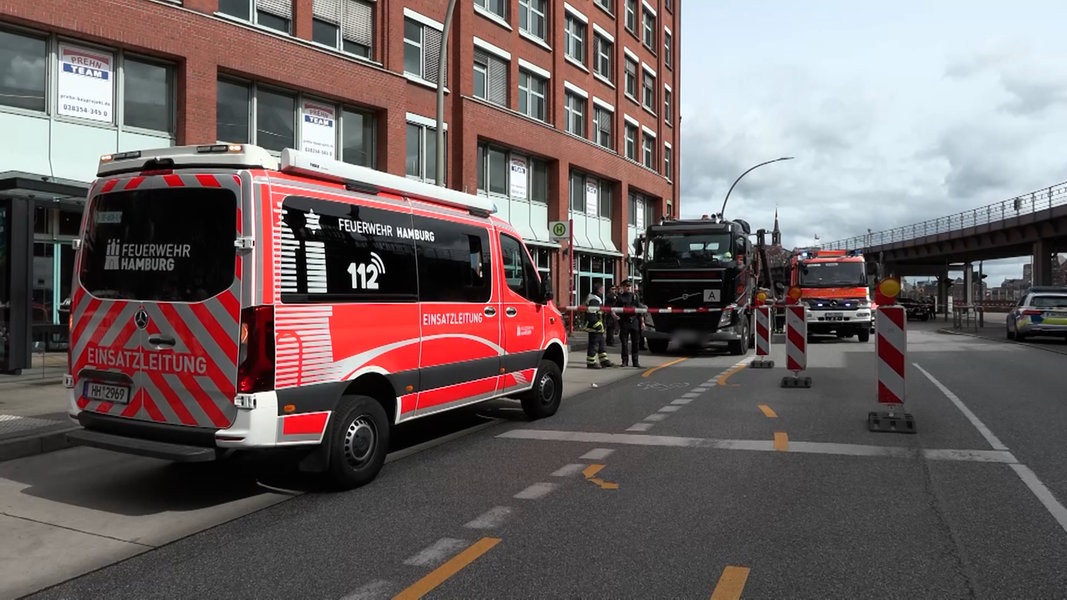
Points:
(762, 316)
(891, 347)
(796, 341)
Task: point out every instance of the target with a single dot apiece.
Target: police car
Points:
(1042, 311)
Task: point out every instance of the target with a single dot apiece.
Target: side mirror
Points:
(546, 291)
(639, 242)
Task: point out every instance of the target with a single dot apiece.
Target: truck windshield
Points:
(833, 274)
(689, 248)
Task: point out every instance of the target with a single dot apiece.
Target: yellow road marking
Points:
(592, 470)
(768, 411)
(781, 441)
(439, 575)
(731, 583)
(722, 378)
(667, 364)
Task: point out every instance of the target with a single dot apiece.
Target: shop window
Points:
(148, 100)
(232, 112)
(22, 65)
(358, 138)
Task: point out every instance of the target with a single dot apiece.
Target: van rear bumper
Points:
(142, 447)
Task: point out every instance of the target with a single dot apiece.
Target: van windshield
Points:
(170, 244)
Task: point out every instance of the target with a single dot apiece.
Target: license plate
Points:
(105, 392)
(835, 316)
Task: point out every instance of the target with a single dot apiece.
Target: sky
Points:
(896, 112)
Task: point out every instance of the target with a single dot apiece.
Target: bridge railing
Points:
(1035, 201)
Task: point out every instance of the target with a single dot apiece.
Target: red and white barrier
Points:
(632, 310)
(796, 346)
(762, 316)
(891, 346)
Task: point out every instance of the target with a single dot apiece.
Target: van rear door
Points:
(157, 313)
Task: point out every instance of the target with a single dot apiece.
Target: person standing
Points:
(596, 355)
(630, 325)
(611, 320)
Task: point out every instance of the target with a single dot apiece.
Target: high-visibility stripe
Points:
(303, 424)
(796, 338)
(763, 330)
(891, 348)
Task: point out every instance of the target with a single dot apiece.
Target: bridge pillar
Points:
(968, 284)
(1041, 272)
(943, 283)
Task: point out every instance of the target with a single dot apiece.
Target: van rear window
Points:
(165, 244)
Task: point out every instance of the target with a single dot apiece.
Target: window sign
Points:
(592, 195)
(518, 178)
(640, 214)
(318, 135)
(85, 83)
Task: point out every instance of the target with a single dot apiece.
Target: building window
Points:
(631, 78)
(668, 5)
(421, 158)
(358, 137)
(649, 30)
(667, 161)
(497, 7)
(603, 50)
(148, 100)
(602, 126)
(667, 106)
(667, 54)
(648, 91)
(631, 142)
(574, 110)
(490, 78)
(496, 174)
(275, 120)
(532, 17)
(577, 192)
(24, 75)
(631, 16)
(648, 151)
(608, 5)
(631, 215)
(574, 38)
(422, 50)
(232, 114)
(532, 95)
(604, 198)
(347, 25)
(275, 14)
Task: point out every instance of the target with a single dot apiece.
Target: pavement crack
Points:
(76, 530)
(934, 502)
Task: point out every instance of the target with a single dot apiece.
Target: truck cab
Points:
(834, 288)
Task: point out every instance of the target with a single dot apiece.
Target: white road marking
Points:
(948, 454)
(536, 491)
(699, 390)
(982, 429)
(568, 470)
(1043, 494)
(436, 553)
(682, 401)
(491, 519)
(372, 591)
(670, 409)
(640, 427)
(691, 395)
(656, 417)
(597, 454)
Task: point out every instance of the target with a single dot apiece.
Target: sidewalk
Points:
(33, 406)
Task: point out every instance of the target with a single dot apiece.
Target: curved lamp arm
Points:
(722, 212)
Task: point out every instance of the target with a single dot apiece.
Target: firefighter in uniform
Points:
(630, 325)
(596, 355)
(610, 319)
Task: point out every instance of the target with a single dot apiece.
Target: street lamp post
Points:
(442, 61)
(722, 212)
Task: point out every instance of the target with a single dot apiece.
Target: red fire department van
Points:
(226, 300)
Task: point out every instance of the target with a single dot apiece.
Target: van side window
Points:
(340, 252)
(519, 271)
(455, 266)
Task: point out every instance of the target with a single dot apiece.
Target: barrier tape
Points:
(632, 310)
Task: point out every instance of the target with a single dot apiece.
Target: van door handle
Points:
(489, 311)
(511, 311)
(159, 340)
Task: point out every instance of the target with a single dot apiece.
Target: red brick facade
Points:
(203, 46)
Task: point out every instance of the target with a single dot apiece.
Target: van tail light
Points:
(255, 360)
(1031, 311)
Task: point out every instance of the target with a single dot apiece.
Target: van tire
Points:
(544, 398)
(359, 441)
(864, 336)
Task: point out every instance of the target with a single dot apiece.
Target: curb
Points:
(33, 444)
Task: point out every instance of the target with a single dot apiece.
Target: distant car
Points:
(1041, 311)
(917, 309)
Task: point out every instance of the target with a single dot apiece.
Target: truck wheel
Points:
(864, 335)
(359, 441)
(544, 398)
(657, 346)
(740, 347)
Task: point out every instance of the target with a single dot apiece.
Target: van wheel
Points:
(359, 441)
(544, 398)
(864, 335)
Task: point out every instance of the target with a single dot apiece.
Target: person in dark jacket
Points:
(596, 355)
(611, 321)
(630, 325)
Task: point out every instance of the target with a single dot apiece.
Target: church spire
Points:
(776, 235)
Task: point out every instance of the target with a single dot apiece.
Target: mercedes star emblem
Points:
(141, 319)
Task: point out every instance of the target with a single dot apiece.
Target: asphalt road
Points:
(702, 477)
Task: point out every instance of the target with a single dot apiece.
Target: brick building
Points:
(557, 110)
